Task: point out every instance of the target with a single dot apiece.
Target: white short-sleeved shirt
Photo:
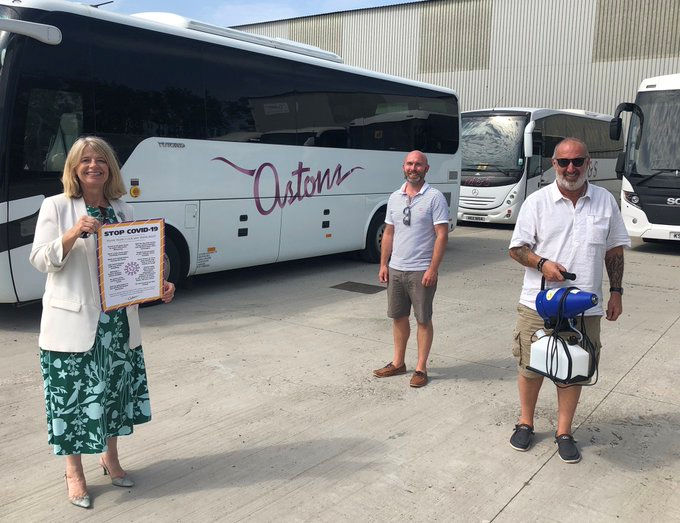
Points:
(413, 244)
(575, 236)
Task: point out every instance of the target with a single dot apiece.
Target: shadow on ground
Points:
(643, 442)
(322, 458)
(657, 247)
(20, 319)
(494, 369)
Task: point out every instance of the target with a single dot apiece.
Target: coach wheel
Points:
(374, 238)
(172, 261)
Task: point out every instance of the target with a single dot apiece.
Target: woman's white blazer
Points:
(71, 303)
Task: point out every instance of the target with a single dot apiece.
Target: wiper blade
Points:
(656, 173)
(493, 167)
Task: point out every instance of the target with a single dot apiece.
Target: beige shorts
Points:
(405, 288)
(528, 322)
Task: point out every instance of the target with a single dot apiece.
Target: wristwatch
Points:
(616, 289)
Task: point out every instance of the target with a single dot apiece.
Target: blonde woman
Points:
(92, 362)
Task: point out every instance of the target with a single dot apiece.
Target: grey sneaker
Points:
(567, 449)
(521, 438)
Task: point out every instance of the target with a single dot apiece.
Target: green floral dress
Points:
(95, 395)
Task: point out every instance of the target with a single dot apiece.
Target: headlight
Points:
(632, 198)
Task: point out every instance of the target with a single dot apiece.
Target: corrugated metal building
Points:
(586, 54)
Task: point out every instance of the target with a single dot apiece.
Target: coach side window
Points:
(54, 120)
(342, 109)
(535, 165)
(145, 84)
(584, 129)
(249, 96)
(402, 117)
(600, 145)
(331, 107)
(52, 96)
(405, 122)
(554, 128)
(442, 124)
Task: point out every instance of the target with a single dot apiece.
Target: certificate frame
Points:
(130, 262)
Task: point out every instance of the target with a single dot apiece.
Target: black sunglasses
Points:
(407, 216)
(564, 162)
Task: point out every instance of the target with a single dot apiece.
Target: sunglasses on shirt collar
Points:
(564, 162)
(407, 216)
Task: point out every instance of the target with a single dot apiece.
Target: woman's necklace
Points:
(102, 203)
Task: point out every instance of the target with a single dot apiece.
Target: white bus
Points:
(253, 150)
(507, 156)
(650, 166)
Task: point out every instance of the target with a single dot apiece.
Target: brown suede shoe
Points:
(419, 379)
(390, 370)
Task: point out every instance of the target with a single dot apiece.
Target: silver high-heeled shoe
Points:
(82, 501)
(124, 481)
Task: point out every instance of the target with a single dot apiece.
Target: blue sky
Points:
(237, 12)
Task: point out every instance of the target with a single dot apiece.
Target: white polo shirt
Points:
(413, 244)
(575, 236)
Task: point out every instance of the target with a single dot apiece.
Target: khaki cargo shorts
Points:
(528, 322)
(405, 288)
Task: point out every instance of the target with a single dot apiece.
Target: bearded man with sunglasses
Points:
(413, 245)
(572, 226)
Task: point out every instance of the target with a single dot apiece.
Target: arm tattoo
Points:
(613, 261)
(521, 254)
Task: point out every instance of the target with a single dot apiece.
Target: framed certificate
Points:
(130, 257)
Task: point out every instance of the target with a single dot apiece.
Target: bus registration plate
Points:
(675, 235)
(474, 218)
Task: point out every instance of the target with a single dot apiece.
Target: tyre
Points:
(172, 261)
(376, 229)
(172, 267)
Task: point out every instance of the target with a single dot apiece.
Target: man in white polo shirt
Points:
(573, 226)
(414, 241)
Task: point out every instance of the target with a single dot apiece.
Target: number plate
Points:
(474, 218)
(675, 236)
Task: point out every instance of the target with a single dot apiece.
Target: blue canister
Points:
(575, 302)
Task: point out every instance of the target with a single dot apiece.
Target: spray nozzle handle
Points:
(566, 275)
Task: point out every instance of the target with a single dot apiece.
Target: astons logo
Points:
(301, 186)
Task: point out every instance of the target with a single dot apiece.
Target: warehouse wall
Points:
(586, 54)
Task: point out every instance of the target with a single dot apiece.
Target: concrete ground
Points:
(264, 406)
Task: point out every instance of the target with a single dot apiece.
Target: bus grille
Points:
(477, 202)
(661, 214)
